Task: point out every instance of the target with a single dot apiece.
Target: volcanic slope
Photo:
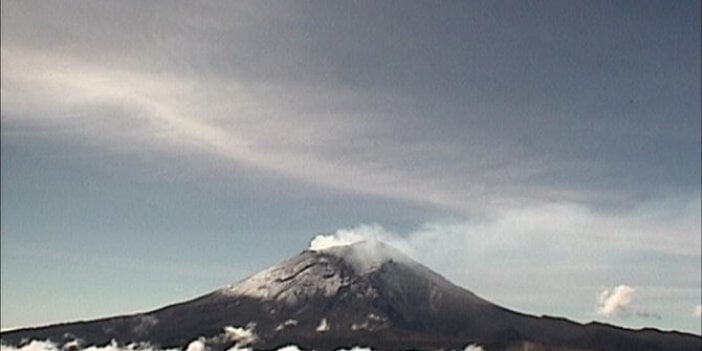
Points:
(366, 293)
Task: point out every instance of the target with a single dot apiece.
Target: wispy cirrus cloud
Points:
(252, 125)
(278, 108)
(235, 123)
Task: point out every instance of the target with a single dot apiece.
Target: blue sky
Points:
(540, 154)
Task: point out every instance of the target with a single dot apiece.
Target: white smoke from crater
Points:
(353, 235)
(372, 246)
(370, 233)
(325, 241)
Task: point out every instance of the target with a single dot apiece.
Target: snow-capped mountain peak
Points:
(339, 295)
(318, 272)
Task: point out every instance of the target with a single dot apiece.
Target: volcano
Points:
(366, 293)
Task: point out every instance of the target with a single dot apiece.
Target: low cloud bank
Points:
(241, 336)
(196, 345)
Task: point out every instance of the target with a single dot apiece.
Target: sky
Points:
(542, 154)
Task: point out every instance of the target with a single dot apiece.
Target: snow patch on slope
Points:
(372, 323)
(242, 336)
(323, 326)
(287, 324)
(291, 282)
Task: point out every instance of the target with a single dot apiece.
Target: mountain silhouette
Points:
(366, 293)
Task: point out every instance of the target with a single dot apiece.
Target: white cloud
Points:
(34, 345)
(614, 302)
(697, 311)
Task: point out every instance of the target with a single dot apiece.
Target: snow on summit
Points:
(296, 279)
(292, 281)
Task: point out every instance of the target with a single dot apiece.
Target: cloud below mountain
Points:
(195, 345)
